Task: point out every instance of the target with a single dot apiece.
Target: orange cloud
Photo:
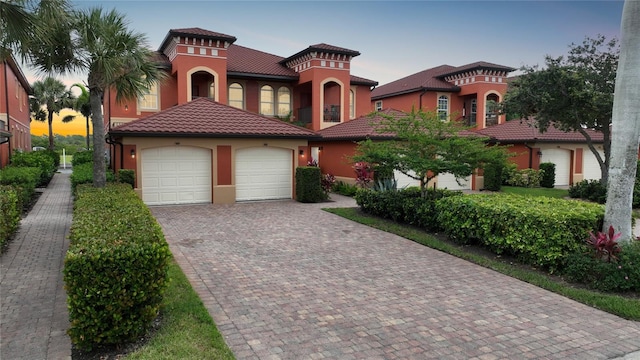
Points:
(76, 127)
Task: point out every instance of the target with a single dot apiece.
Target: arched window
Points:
(236, 96)
(266, 100)
(443, 107)
(352, 104)
(284, 101)
(491, 109)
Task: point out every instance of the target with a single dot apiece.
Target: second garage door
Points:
(176, 175)
(449, 181)
(559, 157)
(263, 173)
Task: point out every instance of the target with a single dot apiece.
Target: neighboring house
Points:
(231, 139)
(15, 128)
(568, 150)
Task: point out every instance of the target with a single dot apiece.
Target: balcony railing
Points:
(491, 119)
(331, 113)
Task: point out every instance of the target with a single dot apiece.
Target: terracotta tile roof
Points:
(479, 65)
(361, 128)
(244, 60)
(356, 80)
(207, 118)
(323, 48)
(516, 131)
(197, 33)
(161, 59)
(424, 79)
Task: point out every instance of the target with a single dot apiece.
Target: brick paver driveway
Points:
(285, 280)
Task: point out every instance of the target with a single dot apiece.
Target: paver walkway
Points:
(33, 311)
(285, 280)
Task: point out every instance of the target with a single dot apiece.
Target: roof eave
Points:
(408, 91)
(244, 75)
(125, 133)
(171, 34)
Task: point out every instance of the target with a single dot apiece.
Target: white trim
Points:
(216, 80)
(321, 110)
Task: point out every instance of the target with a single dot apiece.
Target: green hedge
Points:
(116, 266)
(548, 174)
(23, 178)
(10, 209)
(538, 230)
(83, 174)
(39, 159)
(127, 176)
(409, 205)
(493, 176)
(82, 157)
(309, 185)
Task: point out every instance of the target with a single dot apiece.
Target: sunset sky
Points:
(76, 127)
(395, 38)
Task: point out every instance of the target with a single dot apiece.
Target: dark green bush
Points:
(23, 178)
(83, 174)
(538, 230)
(548, 174)
(591, 190)
(54, 155)
(493, 176)
(127, 176)
(409, 205)
(116, 266)
(309, 185)
(342, 188)
(10, 209)
(82, 157)
(622, 275)
(39, 159)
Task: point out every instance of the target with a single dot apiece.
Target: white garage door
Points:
(263, 173)
(561, 158)
(404, 181)
(176, 175)
(448, 181)
(590, 166)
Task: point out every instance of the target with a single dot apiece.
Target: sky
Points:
(395, 38)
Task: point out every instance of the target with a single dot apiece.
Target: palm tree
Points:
(54, 96)
(625, 125)
(83, 106)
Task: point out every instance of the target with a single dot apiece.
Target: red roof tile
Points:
(197, 33)
(241, 59)
(207, 118)
(323, 48)
(357, 80)
(361, 128)
(424, 79)
(516, 131)
(479, 65)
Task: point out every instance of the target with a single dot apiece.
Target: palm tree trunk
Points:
(625, 125)
(88, 142)
(99, 163)
(50, 121)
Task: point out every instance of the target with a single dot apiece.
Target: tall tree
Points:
(425, 146)
(114, 57)
(50, 96)
(573, 93)
(83, 105)
(626, 125)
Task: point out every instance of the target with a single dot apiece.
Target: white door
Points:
(404, 181)
(590, 166)
(448, 181)
(176, 175)
(263, 173)
(561, 158)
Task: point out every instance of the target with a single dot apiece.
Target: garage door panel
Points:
(176, 175)
(561, 158)
(591, 167)
(449, 181)
(263, 174)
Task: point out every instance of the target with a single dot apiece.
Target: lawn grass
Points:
(187, 330)
(624, 307)
(66, 159)
(554, 193)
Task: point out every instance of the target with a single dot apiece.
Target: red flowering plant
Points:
(327, 183)
(605, 244)
(364, 174)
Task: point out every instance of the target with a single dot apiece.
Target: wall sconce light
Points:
(133, 154)
(320, 148)
(301, 152)
(126, 108)
(539, 153)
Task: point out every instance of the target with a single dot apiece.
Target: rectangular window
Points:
(443, 107)
(378, 105)
(149, 101)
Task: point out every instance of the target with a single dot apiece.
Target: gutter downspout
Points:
(424, 91)
(530, 155)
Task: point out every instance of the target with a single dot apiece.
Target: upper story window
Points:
(352, 104)
(378, 105)
(267, 100)
(149, 101)
(284, 101)
(473, 112)
(236, 96)
(443, 107)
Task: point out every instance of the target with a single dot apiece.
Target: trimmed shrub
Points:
(309, 185)
(82, 157)
(409, 205)
(83, 174)
(591, 190)
(38, 159)
(11, 209)
(548, 174)
(525, 178)
(342, 188)
(127, 176)
(54, 155)
(493, 176)
(116, 267)
(540, 231)
(24, 179)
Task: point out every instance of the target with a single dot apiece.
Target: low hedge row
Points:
(116, 266)
(10, 208)
(44, 160)
(309, 185)
(537, 230)
(24, 179)
(408, 205)
(83, 174)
